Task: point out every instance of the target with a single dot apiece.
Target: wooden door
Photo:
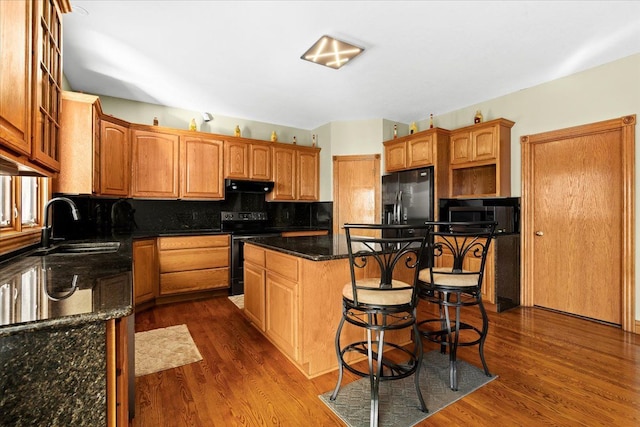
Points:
(114, 158)
(154, 164)
(15, 82)
(577, 220)
(201, 168)
(356, 190)
(308, 175)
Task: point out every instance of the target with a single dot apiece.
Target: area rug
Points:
(399, 406)
(164, 348)
(238, 300)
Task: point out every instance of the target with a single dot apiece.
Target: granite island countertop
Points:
(315, 248)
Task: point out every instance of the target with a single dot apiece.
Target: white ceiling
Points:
(242, 58)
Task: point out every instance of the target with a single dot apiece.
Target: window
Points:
(6, 197)
(30, 201)
(22, 200)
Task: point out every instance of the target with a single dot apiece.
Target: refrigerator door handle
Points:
(400, 219)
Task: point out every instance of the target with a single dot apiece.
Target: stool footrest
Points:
(391, 370)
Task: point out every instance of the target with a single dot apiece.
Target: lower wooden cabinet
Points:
(120, 371)
(254, 285)
(271, 296)
(145, 271)
(193, 263)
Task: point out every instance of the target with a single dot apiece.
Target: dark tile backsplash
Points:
(103, 217)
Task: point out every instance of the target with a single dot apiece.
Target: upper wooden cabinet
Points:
(31, 81)
(480, 162)
(308, 167)
(296, 173)
(79, 154)
(114, 174)
(47, 80)
(154, 164)
(201, 168)
(15, 82)
(416, 150)
(284, 173)
(95, 150)
(247, 159)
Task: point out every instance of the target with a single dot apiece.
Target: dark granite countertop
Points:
(183, 232)
(62, 289)
(315, 248)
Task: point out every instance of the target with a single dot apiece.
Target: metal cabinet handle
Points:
(539, 233)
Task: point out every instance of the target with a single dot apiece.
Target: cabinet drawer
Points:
(198, 280)
(284, 265)
(190, 242)
(254, 255)
(193, 259)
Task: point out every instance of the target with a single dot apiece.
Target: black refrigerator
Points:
(407, 197)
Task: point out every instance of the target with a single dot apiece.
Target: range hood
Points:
(245, 186)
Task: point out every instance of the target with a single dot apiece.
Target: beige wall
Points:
(609, 91)
(143, 113)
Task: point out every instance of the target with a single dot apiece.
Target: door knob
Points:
(539, 233)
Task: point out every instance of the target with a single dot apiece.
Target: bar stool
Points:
(382, 296)
(458, 253)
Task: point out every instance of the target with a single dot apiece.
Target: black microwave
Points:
(502, 215)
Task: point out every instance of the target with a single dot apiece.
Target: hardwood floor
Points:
(552, 369)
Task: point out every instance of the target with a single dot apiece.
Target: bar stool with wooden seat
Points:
(453, 280)
(381, 297)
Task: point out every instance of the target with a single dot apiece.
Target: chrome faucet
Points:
(45, 237)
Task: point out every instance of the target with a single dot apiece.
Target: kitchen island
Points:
(66, 338)
(293, 295)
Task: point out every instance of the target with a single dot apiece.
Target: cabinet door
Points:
(15, 75)
(79, 139)
(284, 174)
(155, 165)
(260, 162)
(485, 143)
(254, 294)
(201, 166)
(308, 175)
(115, 169)
(47, 78)
(281, 321)
(395, 156)
(236, 159)
(420, 151)
(145, 271)
(460, 148)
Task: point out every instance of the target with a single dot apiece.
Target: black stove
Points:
(242, 226)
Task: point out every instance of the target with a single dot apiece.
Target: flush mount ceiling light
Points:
(331, 52)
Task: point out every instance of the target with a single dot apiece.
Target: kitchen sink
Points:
(78, 248)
